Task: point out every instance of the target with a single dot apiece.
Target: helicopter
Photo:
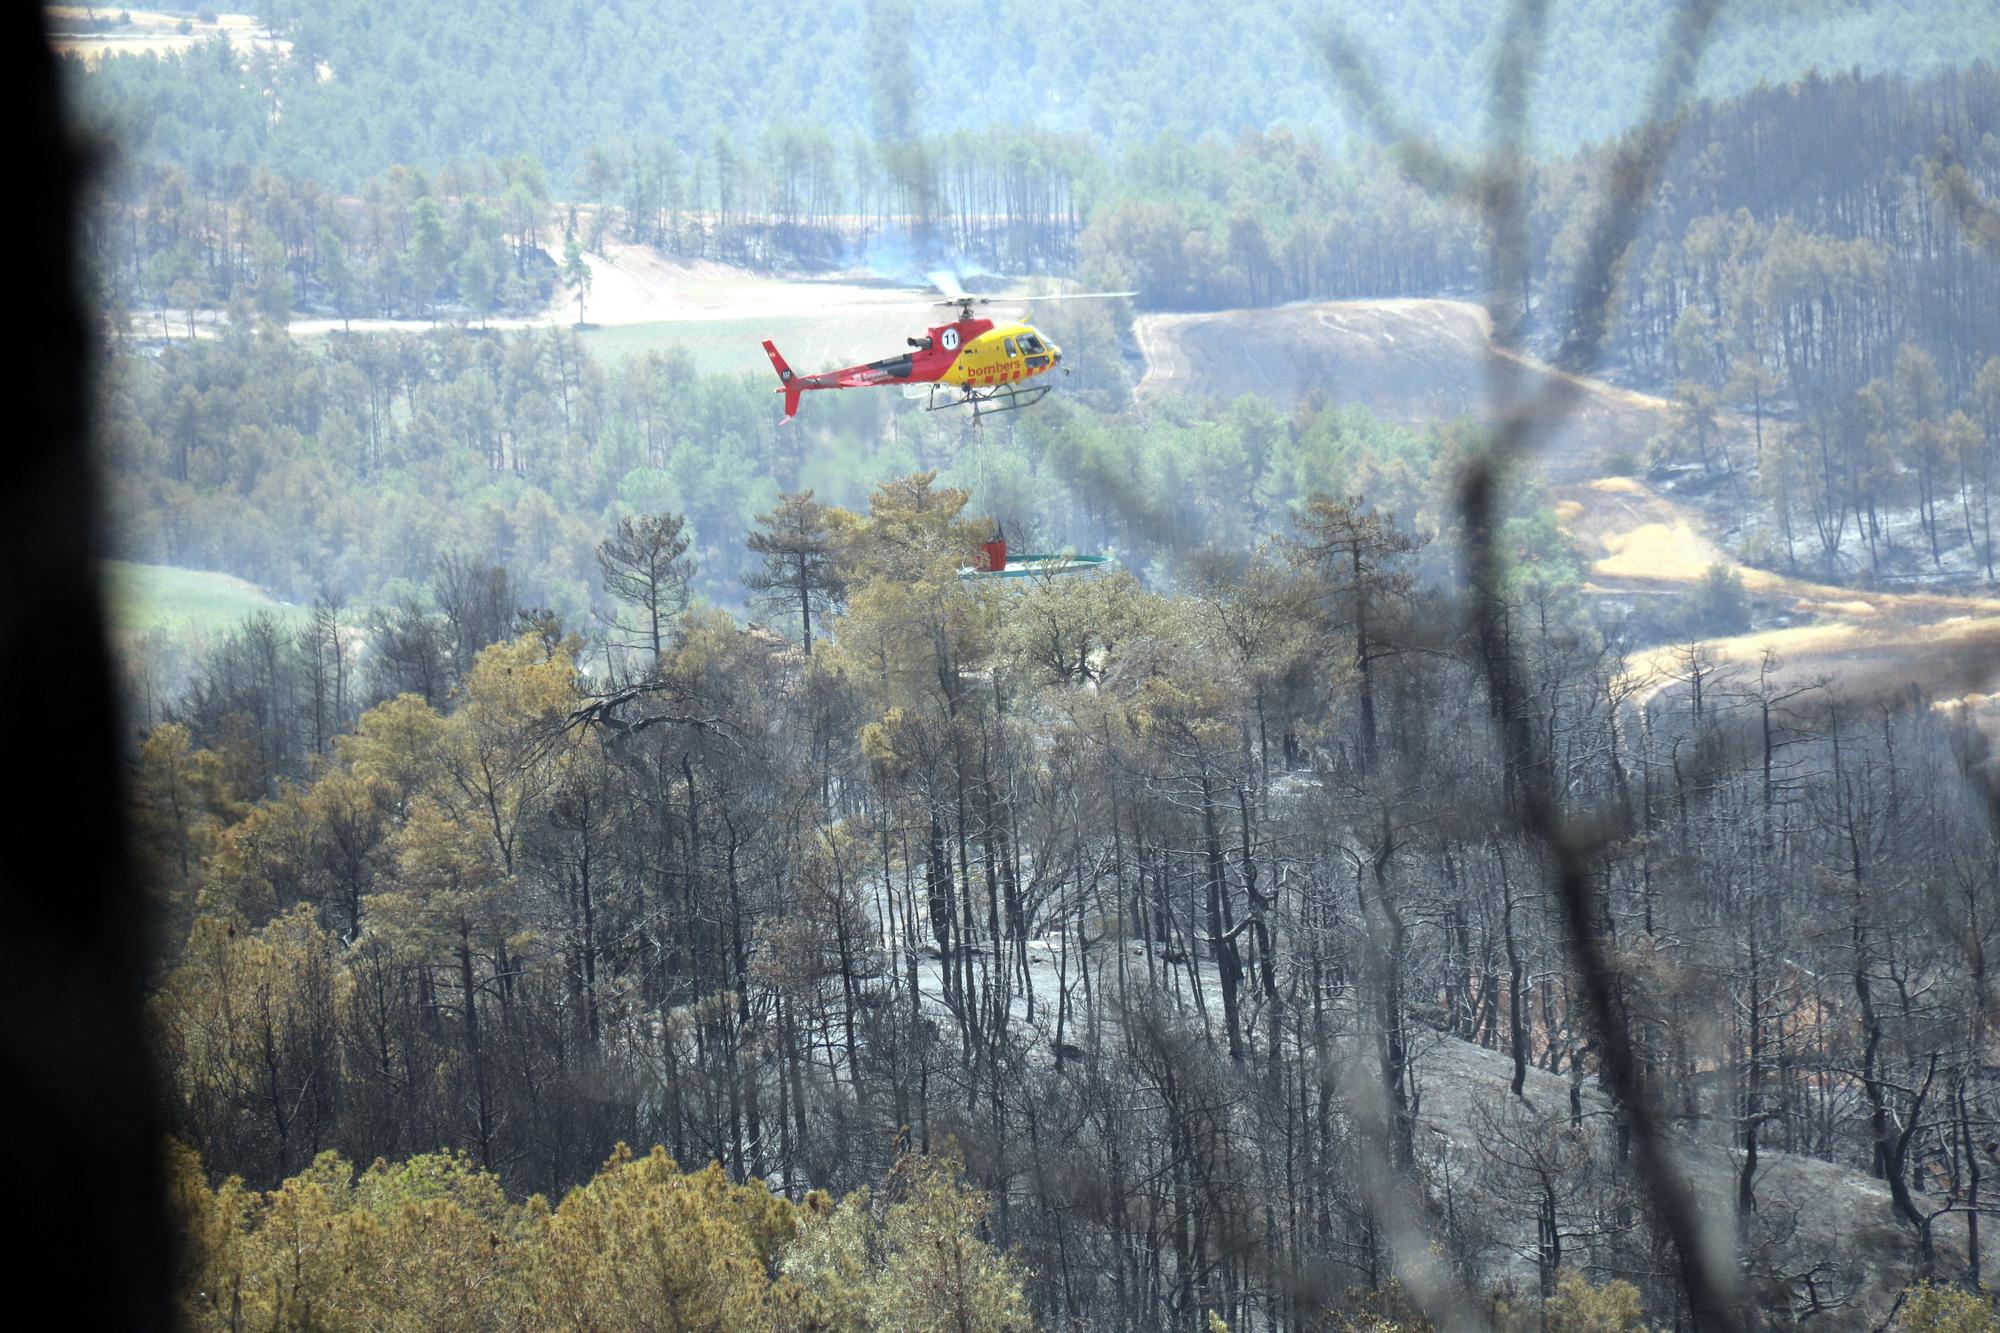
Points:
(974, 362)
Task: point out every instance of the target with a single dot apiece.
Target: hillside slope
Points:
(1473, 1135)
(1415, 360)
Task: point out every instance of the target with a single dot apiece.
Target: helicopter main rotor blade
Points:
(932, 303)
(967, 302)
(954, 293)
(1065, 296)
(882, 305)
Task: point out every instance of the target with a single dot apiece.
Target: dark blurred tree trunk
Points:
(80, 1125)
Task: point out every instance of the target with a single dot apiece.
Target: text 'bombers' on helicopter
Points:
(983, 364)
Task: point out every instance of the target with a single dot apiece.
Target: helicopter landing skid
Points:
(986, 402)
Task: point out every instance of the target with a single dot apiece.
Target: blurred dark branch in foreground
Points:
(79, 1128)
(1497, 189)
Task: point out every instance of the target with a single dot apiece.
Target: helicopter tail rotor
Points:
(786, 379)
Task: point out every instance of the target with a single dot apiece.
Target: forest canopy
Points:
(368, 85)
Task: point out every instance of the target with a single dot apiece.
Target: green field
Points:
(719, 347)
(810, 342)
(140, 598)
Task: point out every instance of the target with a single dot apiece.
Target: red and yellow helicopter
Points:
(983, 364)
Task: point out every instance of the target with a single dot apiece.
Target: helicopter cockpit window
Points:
(1010, 348)
(1031, 344)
